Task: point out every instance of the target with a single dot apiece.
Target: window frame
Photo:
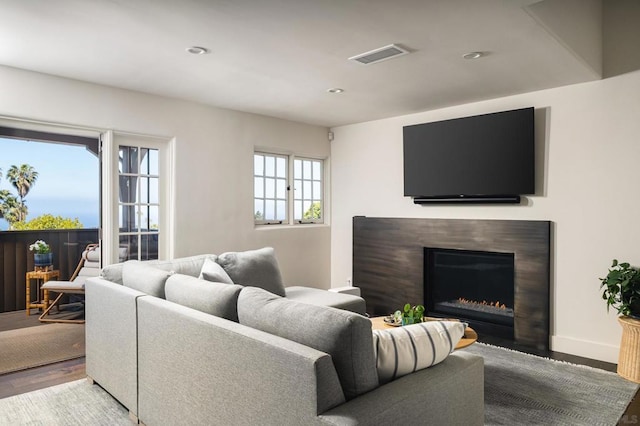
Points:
(290, 199)
(311, 180)
(142, 201)
(287, 169)
(112, 140)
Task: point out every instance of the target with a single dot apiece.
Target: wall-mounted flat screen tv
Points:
(490, 155)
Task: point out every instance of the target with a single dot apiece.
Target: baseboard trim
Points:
(585, 348)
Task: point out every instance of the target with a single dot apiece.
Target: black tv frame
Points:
(495, 130)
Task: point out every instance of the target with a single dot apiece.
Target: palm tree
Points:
(10, 208)
(22, 178)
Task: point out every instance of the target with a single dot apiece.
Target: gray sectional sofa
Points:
(175, 348)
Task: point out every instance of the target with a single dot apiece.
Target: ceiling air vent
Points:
(381, 54)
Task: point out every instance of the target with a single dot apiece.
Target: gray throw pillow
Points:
(211, 271)
(212, 298)
(145, 278)
(256, 268)
(345, 336)
(191, 265)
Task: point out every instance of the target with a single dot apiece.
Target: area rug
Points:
(520, 389)
(523, 389)
(73, 403)
(36, 346)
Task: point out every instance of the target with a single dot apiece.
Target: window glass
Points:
(258, 165)
(139, 201)
(308, 194)
(270, 166)
(281, 167)
(281, 189)
(154, 163)
(270, 188)
(258, 187)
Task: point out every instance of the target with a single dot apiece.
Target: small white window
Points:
(274, 175)
(307, 199)
(270, 188)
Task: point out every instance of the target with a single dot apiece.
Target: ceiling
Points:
(279, 57)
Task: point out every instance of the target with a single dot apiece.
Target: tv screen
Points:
(484, 155)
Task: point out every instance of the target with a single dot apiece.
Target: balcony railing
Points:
(16, 259)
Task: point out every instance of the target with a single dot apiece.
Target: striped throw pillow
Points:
(403, 350)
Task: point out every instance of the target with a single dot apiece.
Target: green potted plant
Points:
(42, 255)
(410, 314)
(622, 289)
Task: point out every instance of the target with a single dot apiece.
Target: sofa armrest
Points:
(111, 339)
(451, 392)
(233, 374)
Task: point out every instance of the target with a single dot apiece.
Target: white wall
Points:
(213, 163)
(590, 154)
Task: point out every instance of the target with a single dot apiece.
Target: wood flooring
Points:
(67, 371)
(41, 377)
(19, 319)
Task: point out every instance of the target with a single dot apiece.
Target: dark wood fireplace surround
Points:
(388, 262)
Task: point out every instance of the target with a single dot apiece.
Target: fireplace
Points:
(474, 286)
(389, 267)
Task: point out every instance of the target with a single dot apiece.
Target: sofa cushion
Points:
(113, 273)
(403, 350)
(316, 296)
(144, 277)
(211, 271)
(212, 298)
(256, 268)
(190, 265)
(344, 335)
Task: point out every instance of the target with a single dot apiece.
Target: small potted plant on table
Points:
(42, 258)
(622, 292)
(410, 314)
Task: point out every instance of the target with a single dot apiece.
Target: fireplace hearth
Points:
(391, 268)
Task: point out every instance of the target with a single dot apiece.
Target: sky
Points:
(68, 179)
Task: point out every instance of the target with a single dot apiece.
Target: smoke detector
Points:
(381, 54)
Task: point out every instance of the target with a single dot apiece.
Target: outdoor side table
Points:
(41, 277)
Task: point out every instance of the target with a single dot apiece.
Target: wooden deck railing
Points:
(16, 259)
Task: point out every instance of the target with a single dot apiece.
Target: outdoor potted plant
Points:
(42, 253)
(622, 291)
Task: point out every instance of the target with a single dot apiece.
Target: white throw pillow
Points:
(211, 271)
(403, 350)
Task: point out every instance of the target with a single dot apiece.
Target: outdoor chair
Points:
(89, 266)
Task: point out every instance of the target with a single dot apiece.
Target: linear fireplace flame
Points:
(483, 303)
(475, 286)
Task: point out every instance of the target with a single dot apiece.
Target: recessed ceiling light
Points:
(335, 90)
(197, 50)
(473, 55)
